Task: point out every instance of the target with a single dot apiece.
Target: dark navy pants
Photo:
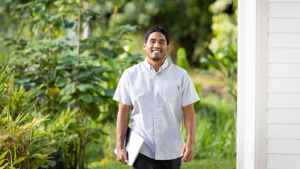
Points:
(144, 162)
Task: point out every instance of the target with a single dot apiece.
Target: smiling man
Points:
(158, 91)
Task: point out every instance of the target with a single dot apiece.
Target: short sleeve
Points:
(122, 93)
(189, 93)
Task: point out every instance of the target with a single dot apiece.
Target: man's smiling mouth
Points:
(156, 51)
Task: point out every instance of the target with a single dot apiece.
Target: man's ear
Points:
(144, 46)
(168, 48)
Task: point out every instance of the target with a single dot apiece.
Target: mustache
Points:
(156, 50)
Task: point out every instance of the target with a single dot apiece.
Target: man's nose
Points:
(156, 44)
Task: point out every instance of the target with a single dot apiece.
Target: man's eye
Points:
(162, 43)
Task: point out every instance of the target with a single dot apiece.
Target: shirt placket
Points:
(156, 118)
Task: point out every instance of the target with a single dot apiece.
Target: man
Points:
(158, 92)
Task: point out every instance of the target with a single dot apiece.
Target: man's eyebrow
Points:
(160, 39)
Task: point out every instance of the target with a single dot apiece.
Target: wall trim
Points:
(261, 89)
(241, 86)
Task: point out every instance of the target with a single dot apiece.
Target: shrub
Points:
(22, 143)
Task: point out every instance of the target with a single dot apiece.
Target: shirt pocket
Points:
(171, 91)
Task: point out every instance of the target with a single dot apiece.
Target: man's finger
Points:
(121, 158)
(185, 156)
(188, 158)
(183, 151)
(124, 160)
(126, 157)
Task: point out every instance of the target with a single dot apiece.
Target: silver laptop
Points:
(132, 143)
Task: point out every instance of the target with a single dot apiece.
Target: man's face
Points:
(156, 47)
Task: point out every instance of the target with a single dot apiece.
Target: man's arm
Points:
(190, 127)
(122, 125)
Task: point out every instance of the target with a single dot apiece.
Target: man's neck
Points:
(156, 64)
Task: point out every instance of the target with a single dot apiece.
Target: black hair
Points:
(157, 29)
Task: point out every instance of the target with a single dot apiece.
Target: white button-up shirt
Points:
(157, 99)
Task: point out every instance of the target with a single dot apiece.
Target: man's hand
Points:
(187, 152)
(122, 156)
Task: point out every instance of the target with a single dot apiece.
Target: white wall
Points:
(268, 134)
(283, 134)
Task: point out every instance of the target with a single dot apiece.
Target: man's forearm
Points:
(122, 124)
(190, 126)
(190, 123)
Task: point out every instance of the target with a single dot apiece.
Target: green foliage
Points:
(224, 62)
(224, 26)
(82, 76)
(22, 143)
(181, 59)
(215, 132)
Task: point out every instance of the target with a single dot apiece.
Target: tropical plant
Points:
(79, 75)
(22, 143)
(225, 63)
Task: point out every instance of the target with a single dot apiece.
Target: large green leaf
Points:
(119, 50)
(181, 59)
(93, 56)
(52, 75)
(211, 63)
(233, 53)
(107, 52)
(86, 98)
(60, 82)
(3, 155)
(99, 88)
(32, 67)
(95, 111)
(65, 98)
(198, 103)
(109, 92)
(98, 99)
(2, 161)
(81, 75)
(69, 89)
(19, 160)
(84, 87)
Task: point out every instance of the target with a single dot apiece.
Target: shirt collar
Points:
(163, 66)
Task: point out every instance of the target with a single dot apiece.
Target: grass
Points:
(194, 164)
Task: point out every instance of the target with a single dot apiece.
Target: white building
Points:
(268, 132)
